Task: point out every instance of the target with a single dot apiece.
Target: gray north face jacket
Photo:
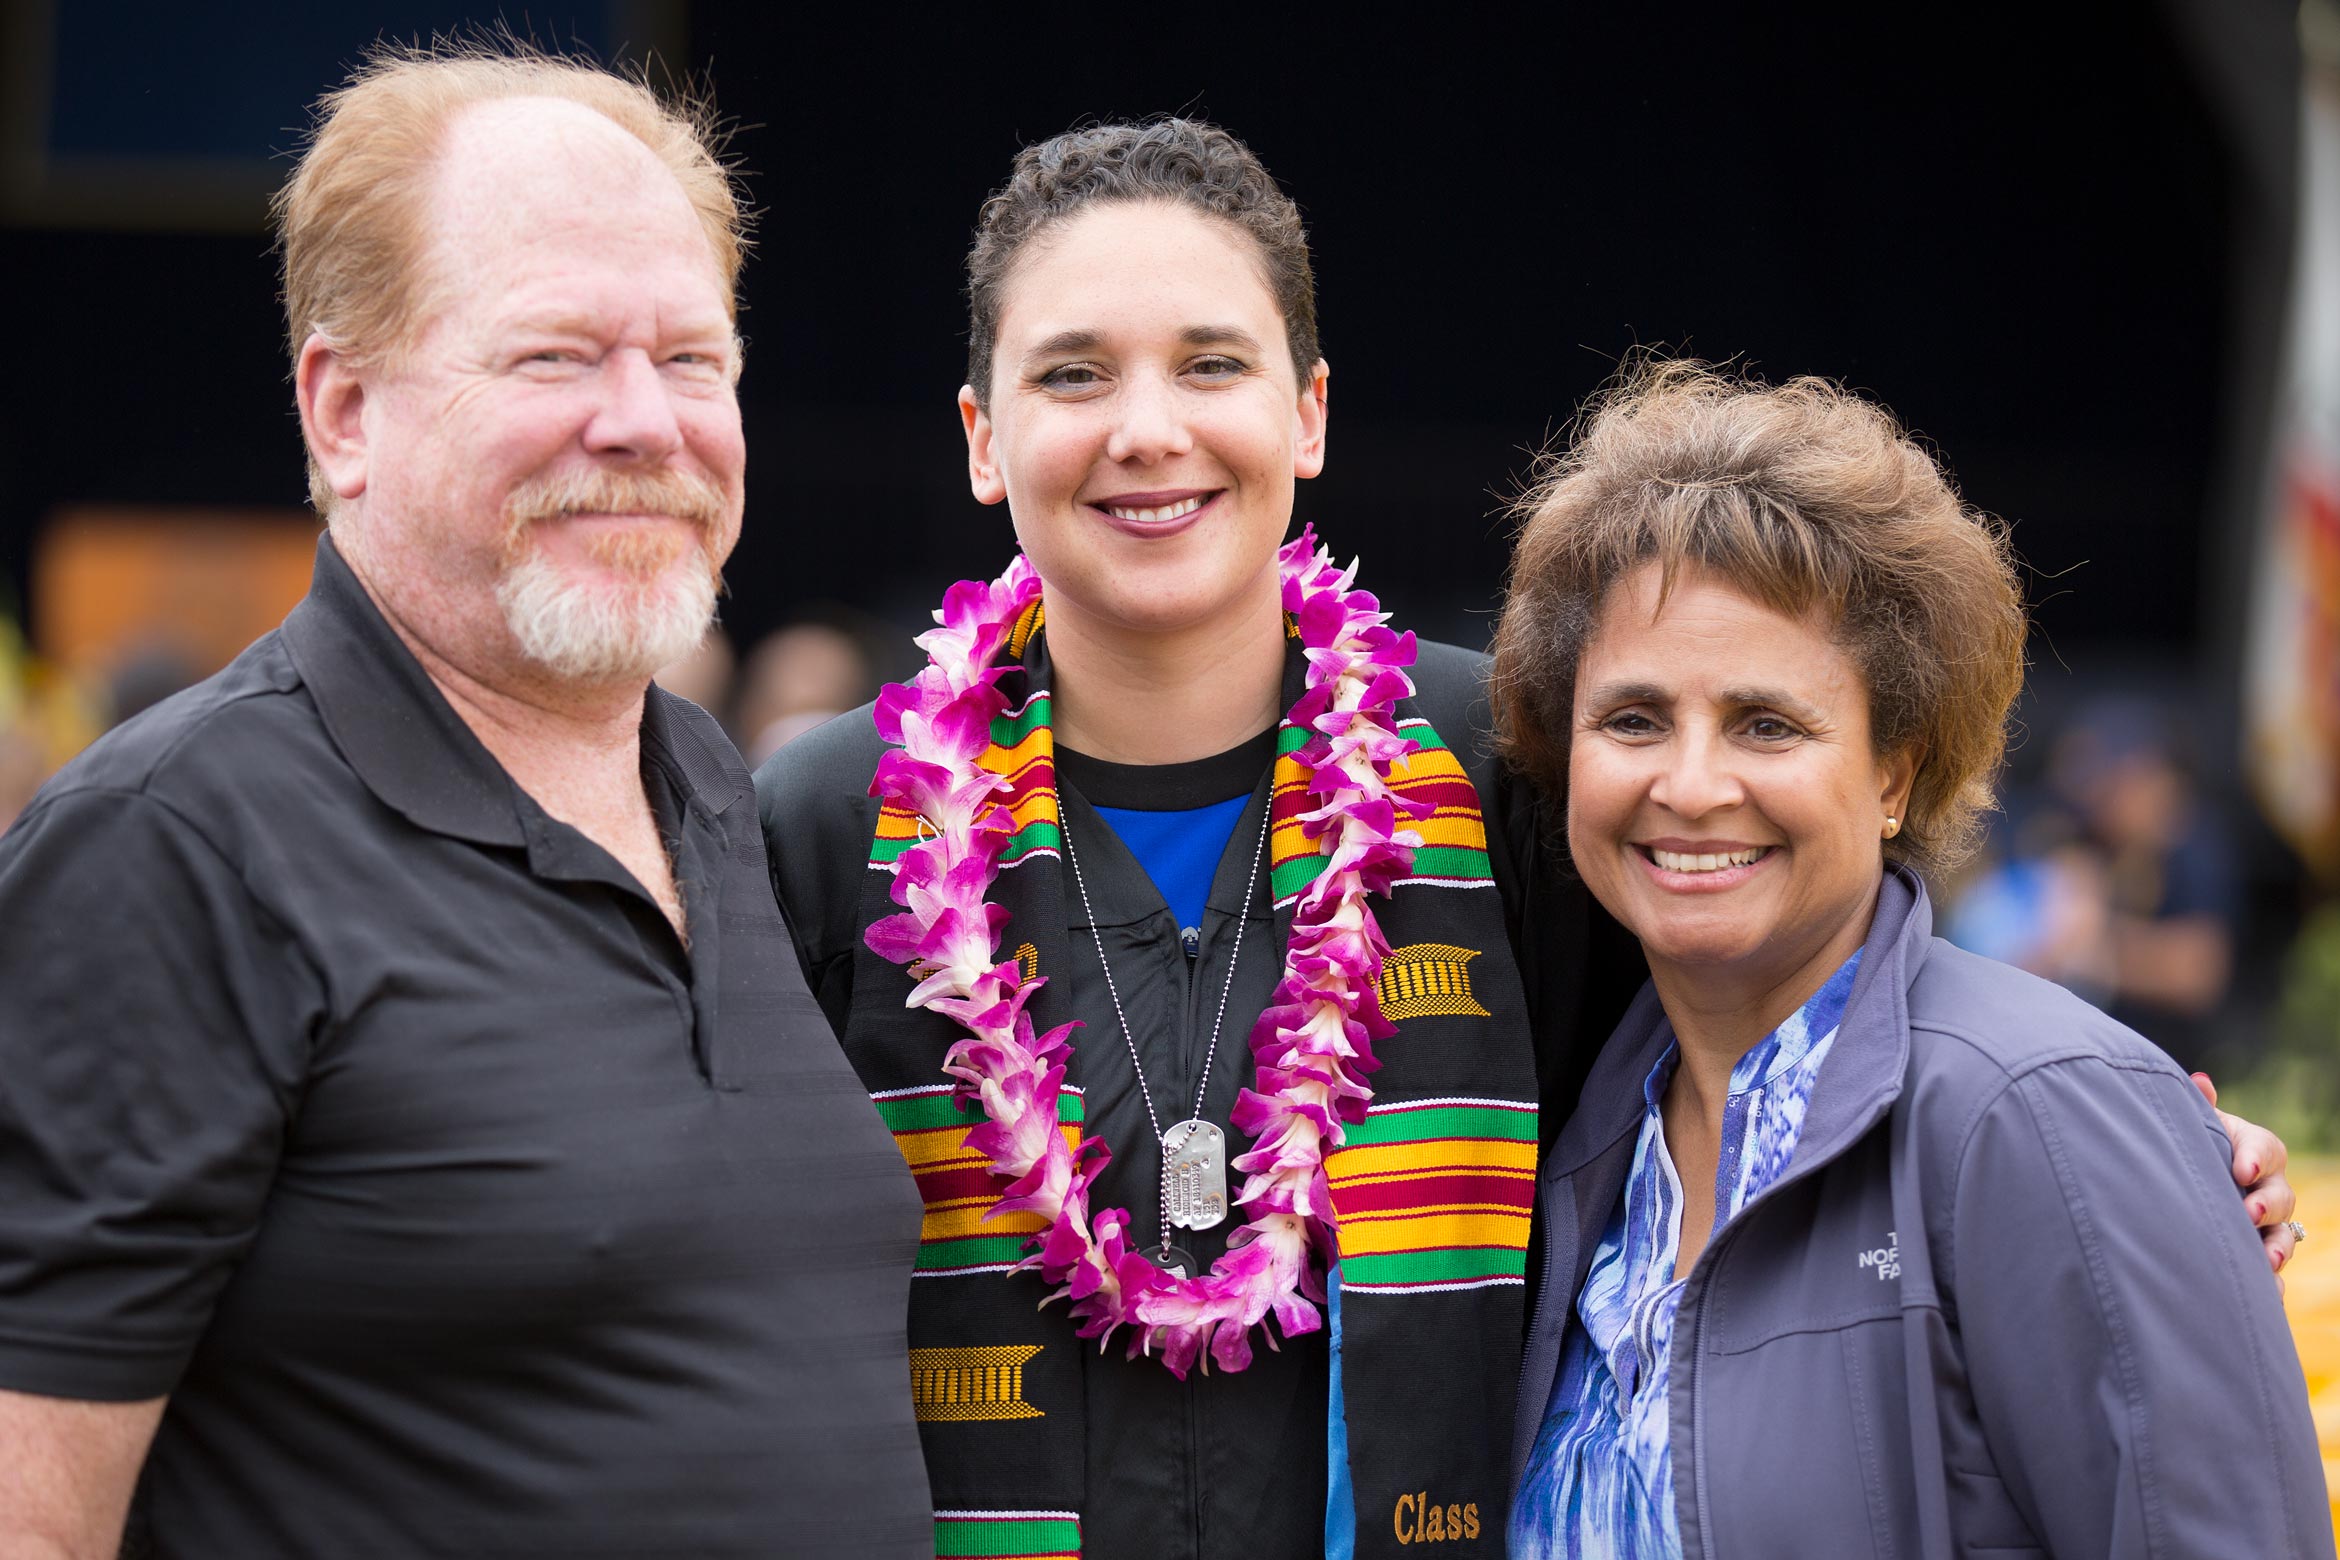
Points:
(2004, 1300)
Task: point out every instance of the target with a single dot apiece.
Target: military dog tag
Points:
(1176, 1261)
(1194, 1175)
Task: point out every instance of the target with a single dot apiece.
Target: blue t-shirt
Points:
(1176, 819)
(1180, 851)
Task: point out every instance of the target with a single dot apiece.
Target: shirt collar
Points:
(1779, 1052)
(408, 745)
(389, 719)
(1661, 1073)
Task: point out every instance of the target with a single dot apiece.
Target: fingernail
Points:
(2256, 1209)
(2250, 1170)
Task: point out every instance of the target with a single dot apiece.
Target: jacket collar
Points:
(1611, 1103)
(1862, 1076)
(411, 749)
(1859, 1082)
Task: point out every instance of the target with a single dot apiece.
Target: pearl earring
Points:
(1892, 826)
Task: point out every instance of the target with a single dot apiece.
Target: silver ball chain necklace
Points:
(1194, 1152)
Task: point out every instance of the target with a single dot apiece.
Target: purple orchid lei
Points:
(1312, 1046)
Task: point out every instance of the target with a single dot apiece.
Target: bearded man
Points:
(415, 1135)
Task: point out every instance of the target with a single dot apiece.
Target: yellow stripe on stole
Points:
(899, 823)
(1430, 763)
(1373, 1237)
(1007, 760)
(1476, 1155)
(954, 1220)
(1458, 827)
(1427, 765)
(936, 1148)
(1461, 830)
(896, 823)
(1449, 827)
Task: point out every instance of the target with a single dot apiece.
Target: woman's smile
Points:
(1702, 867)
(1157, 514)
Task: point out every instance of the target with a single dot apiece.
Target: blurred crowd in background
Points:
(2114, 869)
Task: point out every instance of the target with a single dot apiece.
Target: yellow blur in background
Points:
(2312, 1295)
(132, 603)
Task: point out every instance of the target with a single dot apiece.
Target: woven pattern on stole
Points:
(1021, 751)
(1453, 852)
(930, 1128)
(951, 1385)
(1435, 1194)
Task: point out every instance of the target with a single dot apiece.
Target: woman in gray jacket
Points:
(1802, 1293)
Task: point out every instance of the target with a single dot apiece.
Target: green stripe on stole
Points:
(1006, 1537)
(1442, 1121)
(924, 1112)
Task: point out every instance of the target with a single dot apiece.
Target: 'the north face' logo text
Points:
(1886, 1259)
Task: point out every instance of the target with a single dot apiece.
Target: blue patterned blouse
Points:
(1600, 1482)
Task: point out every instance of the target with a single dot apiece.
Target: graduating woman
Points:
(1184, 932)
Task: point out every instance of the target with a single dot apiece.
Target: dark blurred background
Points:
(2058, 240)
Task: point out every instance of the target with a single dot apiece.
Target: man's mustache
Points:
(682, 494)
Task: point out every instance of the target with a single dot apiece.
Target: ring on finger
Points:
(2298, 1230)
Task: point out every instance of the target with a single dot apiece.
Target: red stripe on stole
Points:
(1416, 1193)
(950, 1186)
(1451, 796)
(1409, 1175)
(1036, 774)
(1441, 790)
(1518, 1109)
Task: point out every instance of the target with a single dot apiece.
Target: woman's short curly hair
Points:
(1177, 161)
(1808, 499)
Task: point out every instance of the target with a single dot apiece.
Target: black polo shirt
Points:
(382, 1122)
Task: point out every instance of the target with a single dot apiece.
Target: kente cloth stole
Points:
(1433, 1190)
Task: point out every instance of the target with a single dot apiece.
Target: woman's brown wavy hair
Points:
(1808, 499)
